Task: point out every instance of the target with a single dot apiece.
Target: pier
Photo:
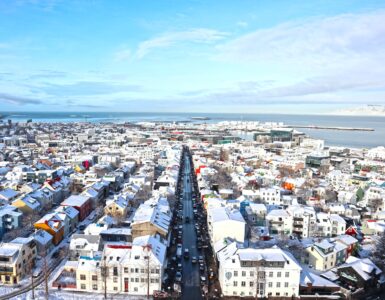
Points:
(330, 127)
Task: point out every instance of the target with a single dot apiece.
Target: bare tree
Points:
(378, 254)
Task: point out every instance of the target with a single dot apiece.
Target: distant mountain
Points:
(368, 110)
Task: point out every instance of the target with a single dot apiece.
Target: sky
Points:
(273, 56)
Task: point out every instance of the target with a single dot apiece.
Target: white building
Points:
(232, 220)
(270, 272)
(270, 196)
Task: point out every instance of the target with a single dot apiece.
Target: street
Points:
(191, 283)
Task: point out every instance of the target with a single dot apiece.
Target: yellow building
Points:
(16, 260)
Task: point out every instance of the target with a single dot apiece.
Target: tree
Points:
(379, 252)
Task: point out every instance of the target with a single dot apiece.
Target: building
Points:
(231, 219)
(10, 218)
(269, 272)
(81, 203)
(17, 259)
(360, 273)
(325, 254)
(53, 225)
(279, 222)
(124, 268)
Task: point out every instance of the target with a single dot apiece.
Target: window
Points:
(287, 274)
(115, 279)
(243, 283)
(251, 284)
(251, 273)
(132, 279)
(235, 283)
(115, 288)
(135, 289)
(270, 274)
(152, 271)
(95, 287)
(83, 286)
(157, 271)
(125, 270)
(243, 273)
(136, 270)
(136, 279)
(235, 273)
(142, 271)
(132, 270)
(278, 274)
(286, 284)
(270, 284)
(82, 277)
(152, 280)
(278, 284)
(115, 271)
(277, 294)
(94, 277)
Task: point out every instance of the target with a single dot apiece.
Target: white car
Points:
(178, 276)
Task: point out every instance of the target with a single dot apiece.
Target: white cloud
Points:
(122, 55)
(343, 36)
(242, 24)
(198, 35)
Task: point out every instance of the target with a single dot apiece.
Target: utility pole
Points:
(147, 248)
(32, 282)
(45, 269)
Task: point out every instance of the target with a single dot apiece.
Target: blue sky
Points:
(199, 56)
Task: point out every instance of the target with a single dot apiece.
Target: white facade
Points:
(270, 272)
(271, 196)
(222, 218)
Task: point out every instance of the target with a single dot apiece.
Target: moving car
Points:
(186, 253)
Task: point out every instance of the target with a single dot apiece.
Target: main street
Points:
(191, 284)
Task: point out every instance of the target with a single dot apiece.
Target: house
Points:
(44, 241)
(325, 254)
(270, 196)
(269, 272)
(27, 204)
(338, 224)
(279, 222)
(53, 225)
(10, 218)
(17, 259)
(304, 220)
(116, 235)
(8, 195)
(84, 245)
(128, 268)
(72, 214)
(152, 217)
(81, 203)
(313, 284)
(350, 242)
(116, 207)
(360, 273)
(231, 219)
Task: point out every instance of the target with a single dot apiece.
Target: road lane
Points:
(191, 289)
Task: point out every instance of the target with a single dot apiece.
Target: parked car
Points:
(178, 276)
(194, 259)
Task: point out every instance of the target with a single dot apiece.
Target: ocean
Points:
(355, 139)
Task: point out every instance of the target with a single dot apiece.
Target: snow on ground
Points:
(68, 295)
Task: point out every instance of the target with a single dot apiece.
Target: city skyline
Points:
(191, 56)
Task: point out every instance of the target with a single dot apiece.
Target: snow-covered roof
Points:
(364, 267)
(75, 200)
(221, 214)
(42, 237)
